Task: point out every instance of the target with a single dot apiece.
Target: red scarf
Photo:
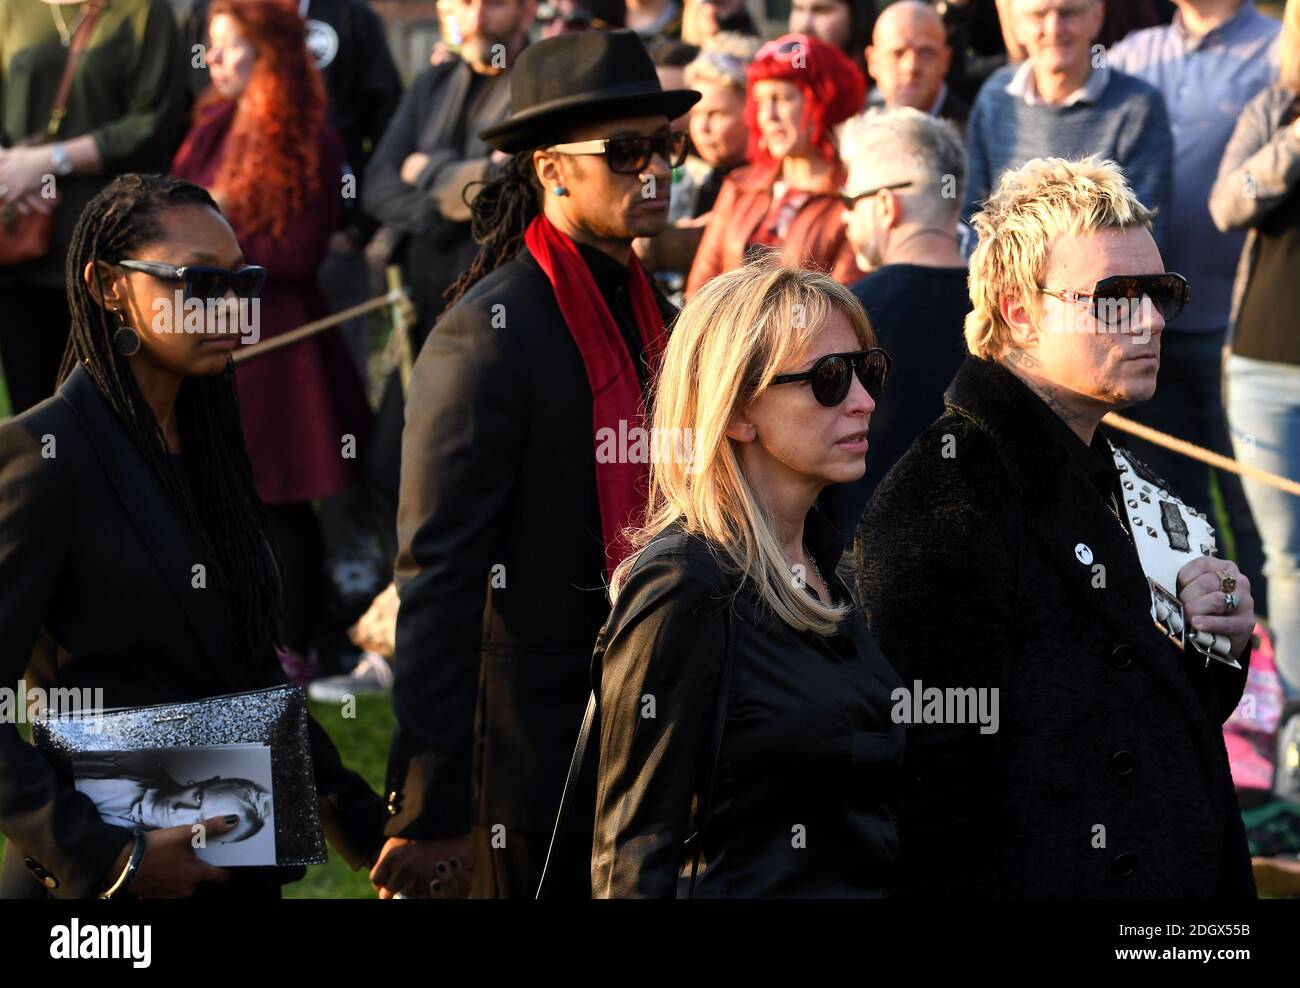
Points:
(622, 487)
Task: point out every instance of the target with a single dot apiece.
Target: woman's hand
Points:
(1204, 600)
(169, 868)
(21, 171)
(33, 202)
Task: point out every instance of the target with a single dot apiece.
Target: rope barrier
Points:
(1206, 456)
(400, 354)
(396, 297)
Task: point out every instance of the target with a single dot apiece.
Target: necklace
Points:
(1113, 504)
(816, 569)
(60, 25)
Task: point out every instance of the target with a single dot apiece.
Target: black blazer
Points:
(96, 565)
(1107, 775)
(500, 566)
(807, 775)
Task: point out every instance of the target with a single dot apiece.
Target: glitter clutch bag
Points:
(274, 718)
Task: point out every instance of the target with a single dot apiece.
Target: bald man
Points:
(908, 58)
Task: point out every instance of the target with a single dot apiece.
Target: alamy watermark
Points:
(27, 704)
(217, 316)
(951, 705)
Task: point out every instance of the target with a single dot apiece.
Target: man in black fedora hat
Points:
(517, 477)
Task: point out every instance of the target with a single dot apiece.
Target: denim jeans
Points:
(1188, 403)
(1264, 414)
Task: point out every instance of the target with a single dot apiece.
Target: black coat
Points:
(1108, 775)
(500, 565)
(808, 770)
(96, 563)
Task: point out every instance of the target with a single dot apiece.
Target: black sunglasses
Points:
(852, 200)
(204, 281)
(630, 155)
(831, 377)
(1115, 299)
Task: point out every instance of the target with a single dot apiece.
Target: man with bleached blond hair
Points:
(1014, 556)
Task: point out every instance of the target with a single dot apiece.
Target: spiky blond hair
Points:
(1033, 205)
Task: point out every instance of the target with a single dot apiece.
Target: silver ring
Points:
(1230, 603)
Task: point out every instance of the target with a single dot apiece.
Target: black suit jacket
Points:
(1107, 775)
(500, 566)
(96, 571)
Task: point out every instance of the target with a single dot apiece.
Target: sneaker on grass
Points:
(371, 677)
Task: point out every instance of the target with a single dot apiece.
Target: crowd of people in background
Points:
(848, 156)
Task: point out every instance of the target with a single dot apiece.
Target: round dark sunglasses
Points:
(630, 155)
(832, 375)
(203, 281)
(1116, 299)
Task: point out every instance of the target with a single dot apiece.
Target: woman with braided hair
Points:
(134, 555)
(259, 142)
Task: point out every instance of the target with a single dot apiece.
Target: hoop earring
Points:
(560, 190)
(126, 341)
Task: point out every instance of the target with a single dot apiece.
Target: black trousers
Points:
(297, 533)
(34, 323)
(513, 871)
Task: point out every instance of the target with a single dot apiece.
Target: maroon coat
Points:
(297, 403)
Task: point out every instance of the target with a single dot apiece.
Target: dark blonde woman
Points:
(736, 671)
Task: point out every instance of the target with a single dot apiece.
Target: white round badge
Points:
(322, 42)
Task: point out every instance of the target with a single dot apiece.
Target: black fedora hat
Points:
(582, 77)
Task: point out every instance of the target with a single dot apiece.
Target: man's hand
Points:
(1205, 600)
(424, 869)
(169, 868)
(414, 166)
(441, 52)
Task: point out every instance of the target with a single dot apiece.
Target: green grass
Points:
(363, 742)
(4, 399)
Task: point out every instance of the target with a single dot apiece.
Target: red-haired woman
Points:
(799, 90)
(259, 143)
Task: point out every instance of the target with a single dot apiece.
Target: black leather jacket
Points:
(808, 769)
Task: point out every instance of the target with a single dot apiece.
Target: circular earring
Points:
(560, 190)
(126, 341)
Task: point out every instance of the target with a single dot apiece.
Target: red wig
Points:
(833, 90)
(270, 167)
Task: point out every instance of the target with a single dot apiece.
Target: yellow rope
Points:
(1207, 456)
